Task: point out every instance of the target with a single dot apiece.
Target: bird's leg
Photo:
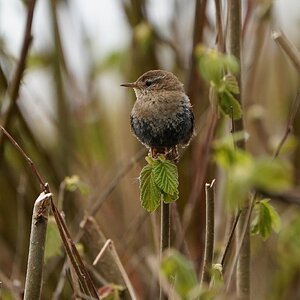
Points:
(155, 151)
(173, 154)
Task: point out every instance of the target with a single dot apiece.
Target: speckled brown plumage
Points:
(162, 115)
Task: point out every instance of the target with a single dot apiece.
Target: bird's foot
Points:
(170, 153)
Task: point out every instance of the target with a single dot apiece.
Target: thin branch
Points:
(14, 87)
(29, 161)
(164, 235)
(291, 118)
(114, 253)
(209, 231)
(108, 190)
(288, 47)
(219, 27)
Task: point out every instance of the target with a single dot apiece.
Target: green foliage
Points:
(179, 272)
(158, 181)
(266, 219)
(245, 173)
(53, 245)
(150, 192)
(213, 66)
(73, 183)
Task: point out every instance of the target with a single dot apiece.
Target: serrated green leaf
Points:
(266, 219)
(167, 198)
(150, 194)
(230, 84)
(271, 175)
(229, 105)
(53, 245)
(166, 176)
(179, 272)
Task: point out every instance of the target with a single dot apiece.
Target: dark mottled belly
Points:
(164, 132)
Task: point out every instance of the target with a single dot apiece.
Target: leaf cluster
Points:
(158, 181)
(181, 275)
(219, 69)
(245, 173)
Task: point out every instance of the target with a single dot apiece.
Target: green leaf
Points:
(272, 176)
(166, 176)
(179, 272)
(266, 219)
(226, 156)
(167, 198)
(230, 84)
(229, 105)
(73, 183)
(231, 64)
(150, 194)
(53, 246)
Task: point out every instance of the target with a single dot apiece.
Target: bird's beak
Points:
(130, 85)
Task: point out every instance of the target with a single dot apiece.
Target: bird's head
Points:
(155, 81)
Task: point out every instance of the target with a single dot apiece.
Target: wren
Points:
(162, 117)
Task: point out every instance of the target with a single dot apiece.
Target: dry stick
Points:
(74, 256)
(71, 250)
(14, 87)
(113, 251)
(35, 264)
(289, 48)
(209, 231)
(220, 34)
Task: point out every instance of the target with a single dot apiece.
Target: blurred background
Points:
(72, 118)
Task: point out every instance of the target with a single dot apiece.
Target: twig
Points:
(97, 204)
(77, 263)
(219, 29)
(289, 48)
(164, 235)
(209, 234)
(107, 243)
(94, 239)
(35, 264)
(289, 127)
(114, 253)
(29, 161)
(14, 87)
(70, 248)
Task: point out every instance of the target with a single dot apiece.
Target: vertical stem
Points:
(209, 234)
(164, 235)
(234, 48)
(35, 264)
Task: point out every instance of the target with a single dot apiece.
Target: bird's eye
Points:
(148, 82)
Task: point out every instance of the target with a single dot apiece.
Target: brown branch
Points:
(14, 87)
(288, 47)
(289, 127)
(27, 158)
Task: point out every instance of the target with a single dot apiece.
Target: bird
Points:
(162, 117)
